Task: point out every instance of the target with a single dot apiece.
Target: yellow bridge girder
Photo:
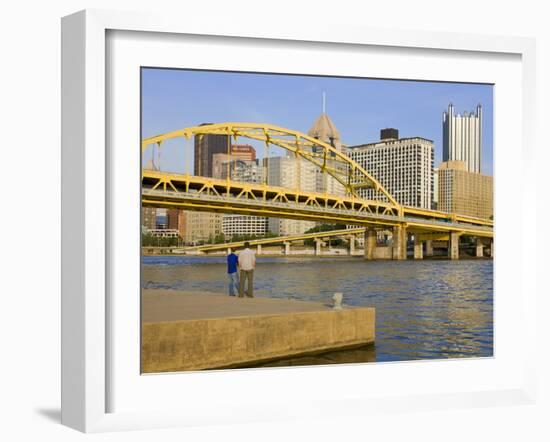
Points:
(435, 236)
(190, 192)
(342, 168)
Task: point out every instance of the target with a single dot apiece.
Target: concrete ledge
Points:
(199, 344)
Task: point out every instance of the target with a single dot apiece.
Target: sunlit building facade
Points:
(462, 137)
(464, 192)
(286, 171)
(244, 171)
(324, 130)
(404, 166)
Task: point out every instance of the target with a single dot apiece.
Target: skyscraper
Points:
(203, 226)
(324, 130)
(436, 189)
(462, 137)
(206, 146)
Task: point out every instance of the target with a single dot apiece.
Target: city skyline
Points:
(311, 231)
(360, 108)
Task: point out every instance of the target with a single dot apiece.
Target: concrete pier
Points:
(479, 248)
(399, 239)
(370, 243)
(318, 244)
(418, 252)
(287, 248)
(429, 247)
(453, 251)
(351, 243)
(196, 331)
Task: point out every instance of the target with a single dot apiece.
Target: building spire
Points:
(324, 103)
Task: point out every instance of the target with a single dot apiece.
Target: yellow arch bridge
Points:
(189, 192)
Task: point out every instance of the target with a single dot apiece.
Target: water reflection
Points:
(424, 309)
(361, 354)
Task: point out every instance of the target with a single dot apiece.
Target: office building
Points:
(161, 219)
(404, 166)
(206, 146)
(148, 218)
(149, 214)
(201, 227)
(176, 221)
(462, 138)
(243, 152)
(210, 152)
(244, 171)
(243, 225)
(436, 189)
(464, 192)
(288, 172)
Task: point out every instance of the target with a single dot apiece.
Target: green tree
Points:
(326, 228)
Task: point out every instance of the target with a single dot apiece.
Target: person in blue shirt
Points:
(233, 275)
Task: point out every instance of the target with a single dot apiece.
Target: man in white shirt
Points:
(247, 263)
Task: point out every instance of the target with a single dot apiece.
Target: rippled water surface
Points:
(424, 309)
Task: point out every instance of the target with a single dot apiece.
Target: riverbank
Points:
(196, 330)
(333, 254)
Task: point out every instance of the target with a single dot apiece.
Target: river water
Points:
(430, 309)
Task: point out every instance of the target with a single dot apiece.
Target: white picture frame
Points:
(86, 316)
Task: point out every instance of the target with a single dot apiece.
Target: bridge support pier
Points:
(453, 250)
(287, 248)
(429, 247)
(418, 252)
(492, 242)
(351, 240)
(399, 243)
(479, 248)
(318, 244)
(370, 243)
(259, 249)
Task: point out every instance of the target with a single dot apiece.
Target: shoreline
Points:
(323, 256)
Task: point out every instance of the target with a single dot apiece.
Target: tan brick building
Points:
(463, 192)
(177, 221)
(201, 227)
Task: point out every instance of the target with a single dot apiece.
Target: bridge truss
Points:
(161, 189)
(351, 175)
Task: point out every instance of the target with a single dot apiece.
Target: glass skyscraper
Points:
(462, 138)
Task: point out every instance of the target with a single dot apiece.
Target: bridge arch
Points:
(326, 157)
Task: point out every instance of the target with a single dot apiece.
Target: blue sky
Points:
(359, 107)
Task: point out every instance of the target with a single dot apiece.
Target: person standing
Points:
(233, 276)
(247, 264)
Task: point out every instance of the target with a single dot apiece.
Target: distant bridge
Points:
(283, 240)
